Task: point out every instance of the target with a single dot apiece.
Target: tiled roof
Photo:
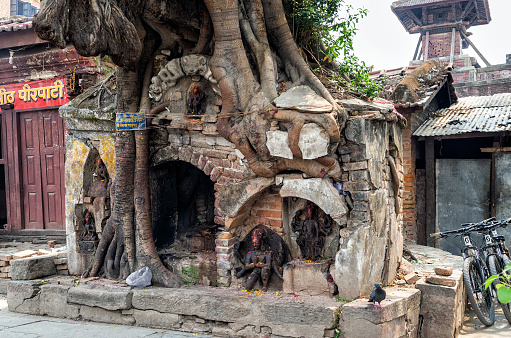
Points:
(15, 23)
(409, 3)
(470, 114)
(422, 83)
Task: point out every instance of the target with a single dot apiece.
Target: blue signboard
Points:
(130, 121)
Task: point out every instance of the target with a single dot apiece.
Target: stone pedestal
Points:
(303, 278)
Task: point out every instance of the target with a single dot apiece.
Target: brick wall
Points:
(409, 199)
(267, 211)
(440, 44)
(471, 81)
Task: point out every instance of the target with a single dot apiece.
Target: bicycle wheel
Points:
(481, 299)
(495, 268)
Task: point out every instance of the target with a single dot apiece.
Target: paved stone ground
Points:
(472, 327)
(14, 325)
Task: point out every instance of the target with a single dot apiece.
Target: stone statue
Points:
(99, 185)
(262, 252)
(312, 226)
(88, 239)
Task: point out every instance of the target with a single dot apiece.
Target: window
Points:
(19, 7)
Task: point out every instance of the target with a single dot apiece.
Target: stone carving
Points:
(197, 101)
(175, 69)
(99, 185)
(88, 240)
(312, 225)
(262, 252)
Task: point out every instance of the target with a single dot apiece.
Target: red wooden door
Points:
(41, 145)
(51, 143)
(31, 171)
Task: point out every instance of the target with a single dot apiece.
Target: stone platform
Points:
(216, 311)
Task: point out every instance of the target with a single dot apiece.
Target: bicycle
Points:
(497, 254)
(475, 274)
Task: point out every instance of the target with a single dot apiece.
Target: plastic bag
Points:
(140, 278)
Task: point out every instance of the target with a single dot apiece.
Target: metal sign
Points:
(130, 121)
(35, 94)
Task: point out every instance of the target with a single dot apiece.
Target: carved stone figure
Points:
(88, 239)
(312, 225)
(261, 252)
(99, 185)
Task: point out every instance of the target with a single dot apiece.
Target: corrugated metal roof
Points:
(468, 115)
(15, 23)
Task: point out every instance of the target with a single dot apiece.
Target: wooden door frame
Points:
(11, 151)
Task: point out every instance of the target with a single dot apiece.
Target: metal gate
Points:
(462, 195)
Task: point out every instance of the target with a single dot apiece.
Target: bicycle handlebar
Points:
(479, 226)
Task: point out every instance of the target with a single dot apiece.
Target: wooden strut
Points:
(417, 48)
(475, 49)
(453, 41)
(426, 49)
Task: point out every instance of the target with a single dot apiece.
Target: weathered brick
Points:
(359, 175)
(208, 168)
(357, 186)
(215, 153)
(202, 162)
(219, 220)
(355, 166)
(225, 242)
(360, 195)
(215, 173)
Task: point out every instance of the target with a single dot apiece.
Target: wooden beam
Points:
(467, 9)
(424, 16)
(496, 149)
(453, 41)
(413, 17)
(426, 49)
(430, 190)
(417, 48)
(461, 136)
(475, 49)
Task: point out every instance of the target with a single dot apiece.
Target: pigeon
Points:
(377, 295)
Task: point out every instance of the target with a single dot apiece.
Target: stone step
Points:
(398, 317)
(217, 311)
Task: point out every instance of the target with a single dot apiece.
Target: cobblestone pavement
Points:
(29, 326)
(472, 327)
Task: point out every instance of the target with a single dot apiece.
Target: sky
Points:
(383, 42)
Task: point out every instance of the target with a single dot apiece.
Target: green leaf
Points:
(490, 280)
(504, 294)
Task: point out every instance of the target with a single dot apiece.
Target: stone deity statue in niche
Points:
(312, 225)
(99, 185)
(262, 252)
(88, 239)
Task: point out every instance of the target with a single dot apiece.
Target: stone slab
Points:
(156, 319)
(101, 315)
(108, 299)
(320, 191)
(284, 318)
(53, 302)
(442, 307)
(313, 141)
(23, 296)
(305, 279)
(277, 142)
(398, 317)
(32, 267)
(303, 98)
